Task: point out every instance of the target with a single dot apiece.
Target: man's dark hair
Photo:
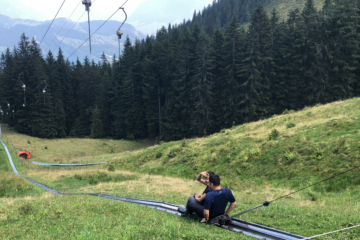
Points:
(210, 173)
(214, 179)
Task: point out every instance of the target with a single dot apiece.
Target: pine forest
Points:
(192, 79)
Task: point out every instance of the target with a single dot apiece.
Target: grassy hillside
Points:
(294, 149)
(259, 161)
(68, 150)
(27, 212)
(285, 6)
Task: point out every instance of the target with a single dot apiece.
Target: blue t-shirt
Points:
(217, 200)
(207, 190)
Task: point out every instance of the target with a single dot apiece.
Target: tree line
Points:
(188, 82)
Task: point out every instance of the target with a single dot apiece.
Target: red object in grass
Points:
(24, 154)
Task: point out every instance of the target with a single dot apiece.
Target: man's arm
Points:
(198, 178)
(206, 216)
(201, 198)
(230, 208)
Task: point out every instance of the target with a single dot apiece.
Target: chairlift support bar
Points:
(87, 4)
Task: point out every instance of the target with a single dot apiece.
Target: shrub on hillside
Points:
(158, 155)
(274, 134)
(184, 143)
(173, 152)
(290, 125)
(111, 168)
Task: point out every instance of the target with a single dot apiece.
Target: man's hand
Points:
(203, 220)
(202, 174)
(197, 196)
(206, 215)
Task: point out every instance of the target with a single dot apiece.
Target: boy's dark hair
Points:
(215, 179)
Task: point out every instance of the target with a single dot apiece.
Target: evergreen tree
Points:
(96, 126)
(202, 83)
(279, 59)
(230, 100)
(217, 55)
(254, 69)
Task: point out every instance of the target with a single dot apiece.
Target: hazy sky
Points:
(100, 9)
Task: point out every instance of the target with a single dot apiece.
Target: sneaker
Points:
(183, 210)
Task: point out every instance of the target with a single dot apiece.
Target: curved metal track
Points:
(67, 165)
(236, 225)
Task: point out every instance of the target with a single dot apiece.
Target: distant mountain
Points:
(153, 14)
(105, 40)
(17, 9)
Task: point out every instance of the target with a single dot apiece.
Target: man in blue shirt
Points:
(217, 200)
(197, 201)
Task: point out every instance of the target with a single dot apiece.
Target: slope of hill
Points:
(105, 40)
(295, 148)
(255, 161)
(285, 6)
(220, 13)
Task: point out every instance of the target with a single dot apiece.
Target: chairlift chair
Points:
(119, 33)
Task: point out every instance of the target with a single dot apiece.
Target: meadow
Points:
(259, 161)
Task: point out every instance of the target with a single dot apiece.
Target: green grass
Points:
(69, 150)
(255, 161)
(323, 141)
(85, 217)
(26, 212)
(11, 185)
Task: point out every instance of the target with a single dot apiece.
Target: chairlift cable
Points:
(52, 22)
(44, 36)
(98, 29)
(78, 47)
(92, 34)
(63, 25)
(72, 28)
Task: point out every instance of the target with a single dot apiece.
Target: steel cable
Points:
(63, 25)
(98, 28)
(315, 184)
(267, 203)
(52, 21)
(72, 28)
(330, 232)
(43, 37)
(92, 34)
